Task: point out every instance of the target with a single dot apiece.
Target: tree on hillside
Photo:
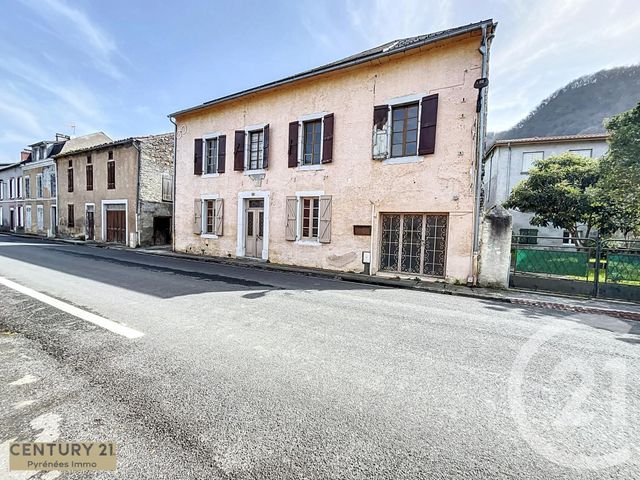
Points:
(618, 189)
(559, 191)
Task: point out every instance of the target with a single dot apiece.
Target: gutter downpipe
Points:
(173, 186)
(480, 137)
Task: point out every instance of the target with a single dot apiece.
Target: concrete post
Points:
(495, 248)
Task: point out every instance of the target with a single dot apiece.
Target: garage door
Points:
(116, 225)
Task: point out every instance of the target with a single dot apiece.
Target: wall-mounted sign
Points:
(362, 230)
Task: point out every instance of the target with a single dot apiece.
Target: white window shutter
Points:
(218, 207)
(292, 204)
(197, 216)
(324, 234)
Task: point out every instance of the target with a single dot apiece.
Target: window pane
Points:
(390, 242)
(398, 113)
(396, 150)
(412, 135)
(413, 111)
(411, 148)
(398, 125)
(396, 138)
(250, 223)
(412, 123)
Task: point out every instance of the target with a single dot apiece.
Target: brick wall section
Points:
(156, 159)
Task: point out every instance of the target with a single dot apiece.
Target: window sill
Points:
(208, 235)
(303, 168)
(210, 175)
(401, 160)
(313, 243)
(259, 171)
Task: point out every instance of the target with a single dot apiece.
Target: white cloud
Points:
(89, 37)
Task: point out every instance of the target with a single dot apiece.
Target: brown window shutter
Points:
(265, 147)
(293, 144)
(197, 156)
(380, 132)
(218, 211)
(238, 151)
(428, 118)
(290, 231)
(222, 152)
(197, 216)
(324, 232)
(327, 140)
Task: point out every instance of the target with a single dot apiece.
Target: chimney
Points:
(62, 136)
(24, 154)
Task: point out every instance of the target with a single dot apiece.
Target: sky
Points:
(120, 66)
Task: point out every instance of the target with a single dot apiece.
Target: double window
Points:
(39, 185)
(309, 217)
(208, 216)
(27, 187)
(528, 236)
(404, 130)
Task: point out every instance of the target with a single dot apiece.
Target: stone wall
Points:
(149, 210)
(156, 160)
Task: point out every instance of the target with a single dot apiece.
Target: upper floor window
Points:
(27, 187)
(12, 187)
(211, 155)
(312, 142)
(111, 174)
(52, 184)
(585, 152)
(167, 187)
(39, 185)
(529, 158)
(110, 154)
(70, 177)
(1, 190)
(89, 175)
(256, 153)
(19, 184)
(404, 130)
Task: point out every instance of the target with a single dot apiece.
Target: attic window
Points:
(70, 163)
(89, 159)
(110, 154)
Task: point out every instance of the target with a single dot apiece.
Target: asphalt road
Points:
(251, 374)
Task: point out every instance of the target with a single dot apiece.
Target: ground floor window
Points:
(528, 236)
(27, 217)
(40, 217)
(310, 217)
(414, 243)
(210, 217)
(71, 217)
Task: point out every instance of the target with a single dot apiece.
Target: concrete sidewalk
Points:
(615, 308)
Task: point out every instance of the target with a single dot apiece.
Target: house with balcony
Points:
(367, 163)
(117, 191)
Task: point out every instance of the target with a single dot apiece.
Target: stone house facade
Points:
(40, 182)
(118, 192)
(507, 163)
(366, 163)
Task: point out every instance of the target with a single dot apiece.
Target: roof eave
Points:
(320, 70)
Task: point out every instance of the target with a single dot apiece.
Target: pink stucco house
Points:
(370, 162)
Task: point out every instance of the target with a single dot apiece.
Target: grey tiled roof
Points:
(388, 48)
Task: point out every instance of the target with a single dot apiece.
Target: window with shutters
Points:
(310, 217)
(111, 174)
(404, 130)
(71, 217)
(256, 149)
(311, 142)
(39, 185)
(27, 186)
(211, 156)
(211, 216)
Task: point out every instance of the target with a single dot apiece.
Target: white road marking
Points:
(23, 404)
(25, 380)
(16, 244)
(75, 311)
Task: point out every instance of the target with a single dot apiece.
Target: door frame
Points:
(240, 244)
(103, 219)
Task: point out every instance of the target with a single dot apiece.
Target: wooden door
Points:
(116, 226)
(91, 232)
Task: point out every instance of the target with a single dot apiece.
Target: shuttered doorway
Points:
(116, 223)
(414, 243)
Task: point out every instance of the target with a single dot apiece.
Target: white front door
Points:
(254, 227)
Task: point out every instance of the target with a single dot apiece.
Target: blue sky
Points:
(122, 66)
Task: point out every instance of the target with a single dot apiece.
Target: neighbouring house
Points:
(368, 160)
(40, 187)
(118, 191)
(12, 195)
(507, 163)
